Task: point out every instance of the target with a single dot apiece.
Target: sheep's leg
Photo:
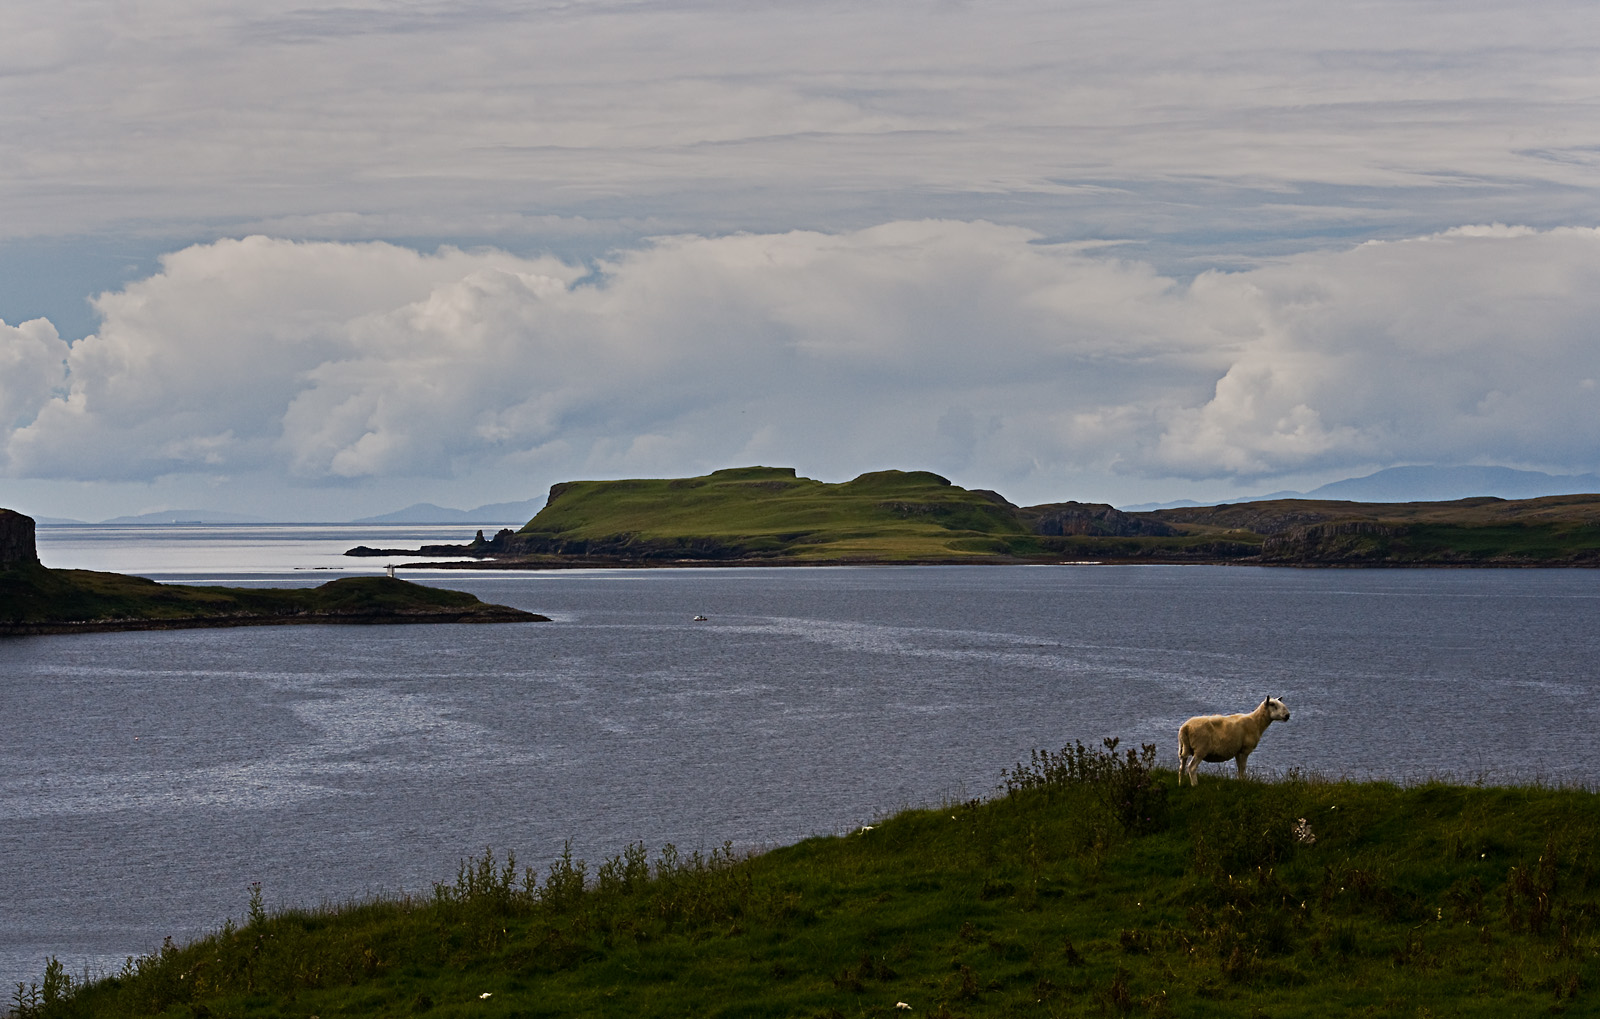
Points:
(1193, 769)
(1240, 762)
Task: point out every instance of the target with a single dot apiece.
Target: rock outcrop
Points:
(17, 546)
(1347, 541)
(1091, 519)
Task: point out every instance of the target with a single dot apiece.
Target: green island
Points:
(1089, 884)
(35, 599)
(770, 516)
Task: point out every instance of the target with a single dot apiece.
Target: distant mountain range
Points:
(419, 513)
(427, 513)
(187, 516)
(1423, 484)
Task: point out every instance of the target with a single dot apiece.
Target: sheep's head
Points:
(1276, 709)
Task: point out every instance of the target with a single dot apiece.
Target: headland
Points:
(35, 599)
(769, 516)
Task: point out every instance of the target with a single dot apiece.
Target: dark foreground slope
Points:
(35, 599)
(1094, 887)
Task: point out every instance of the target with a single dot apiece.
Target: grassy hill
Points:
(34, 599)
(1091, 886)
(1550, 531)
(770, 514)
(762, 510)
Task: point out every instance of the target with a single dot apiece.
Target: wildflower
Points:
(901, 1004)
(1302, 832)
(485, 994)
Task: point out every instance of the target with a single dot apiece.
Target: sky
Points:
(319, 262)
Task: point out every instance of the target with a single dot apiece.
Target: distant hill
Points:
(1421, 484)
(428, 513)
(188, 516)
(769, 514)
(1443, 484)
(1555, 530)
(772, 516)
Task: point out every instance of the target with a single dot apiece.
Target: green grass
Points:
(1532, 542)
(34, 598)
(1551, 531)
(769, 512)
(1506, 544)
(1093, 886)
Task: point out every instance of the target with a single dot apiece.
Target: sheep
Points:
(1224, 737)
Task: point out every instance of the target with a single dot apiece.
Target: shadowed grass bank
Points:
(37, 600)
(1091, 885)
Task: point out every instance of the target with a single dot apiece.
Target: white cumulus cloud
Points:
(1466, 346)
(965, 347)
(33, 361)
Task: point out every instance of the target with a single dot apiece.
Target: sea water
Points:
(147, 779)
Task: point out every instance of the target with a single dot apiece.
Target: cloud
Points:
(1467, 346)
(967, 347)
(485, 119)
(32, 369)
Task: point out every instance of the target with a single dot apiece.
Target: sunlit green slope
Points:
(769, 511)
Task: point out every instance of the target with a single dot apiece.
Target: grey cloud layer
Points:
(961, 346)
(1087, 119)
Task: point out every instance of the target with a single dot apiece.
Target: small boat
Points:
(699, 619)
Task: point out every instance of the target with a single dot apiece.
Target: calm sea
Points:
(148, 778)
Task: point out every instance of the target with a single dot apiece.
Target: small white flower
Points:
(901, 1004)
(485, 994)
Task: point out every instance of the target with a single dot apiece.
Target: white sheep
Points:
(1224, 737)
